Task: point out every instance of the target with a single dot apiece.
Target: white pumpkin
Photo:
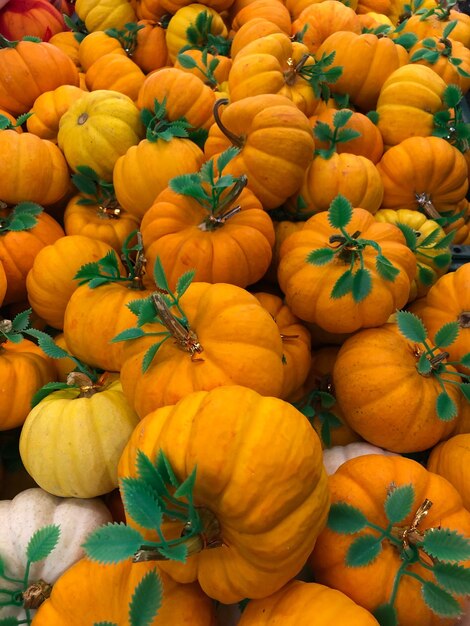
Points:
(337, 455)
(27, 513)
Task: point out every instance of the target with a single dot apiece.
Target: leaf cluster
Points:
(320, 75)
(208, 67)
(355, 280)
(449, 123)
(445, 548)
(7, 124)
(126, 36)
(200, 37)
(153, 496)
(87, 181)
(22, 217)
(158, 126)
(337, 134)
(317, 404)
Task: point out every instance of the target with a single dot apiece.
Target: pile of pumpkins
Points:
(231, 326)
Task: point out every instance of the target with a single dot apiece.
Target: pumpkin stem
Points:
(185, 338)
(410, 535)
(464, 319)
(87, 387)
(208, 538)
(235, 139)
(426, 205)
(36, 594)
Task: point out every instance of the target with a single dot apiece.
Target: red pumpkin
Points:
(36, 18)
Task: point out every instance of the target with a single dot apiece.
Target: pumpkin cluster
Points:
(234, 313)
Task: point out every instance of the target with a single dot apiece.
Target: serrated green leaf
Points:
(225, 157)
(411, 326)
(327, 400)
(321, 256)
(454, 578)
(160, 276)
(439, 600)
(148, 472)
(442, 260)
(442, 133)
(343, 285)
(147, 313)
(430, 239)
(128, 334)
(446, 408)
(386, 615)
(361, 285)
(141, 502)
(45, 391)
(465, 388)
(442, 118)
(135, 306)
(150, 354)
(407, 40)
(42, 543)
(373, 116)
(340, 212)
(419, 55)
(425, 275)
(346, 519)
(446, 335)
(322, 131)
(165, 470)
(347, 134)
(452, 96)
(187, 61)
(424, 366)
(325, 433)
(341, 118)
(112, 543)
(184, 281)
(465, 360)
(187, 487)
(398, 503)
(8, 621)
(363, 551)
(409, 234)
(4, 122)
(47, 344)
(21, 321)
(385, 268)
(18, 223)
(446, 545)
(84, 184)
(146, 600)
(175, 553)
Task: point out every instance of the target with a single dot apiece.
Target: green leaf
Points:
(147, 313)
(21, 321)
(424, 366)
(373, 116)
(128, 334)
(225, 158)
(187, 487)
(343, 285)
(340, 212)
(446, 335)
(446, 545)
(322, 131)
(363, 550)
(454, 578)
(385, 268)
(47, 344)
(165, 470)
(45, 391)
(146, 600)
(419, 54)
(398, 503)
(160, 276)
(183, 282)
(411, 326)
(465, 387)
(446, 408)
(9, 621)
(346, 519)
(442, 260)
(141, 502)
(407, 40)
(84, 184)
(150, 354)
(386, 615)
(425, 275)
(452, 96)
(430, 239)
(112, 543)
(321, 256)
(187, 61)
(105, 624)
(362, 284)
(148, 472)
(347, 134)
(42, 543)
(341, 118)
(439, 600)
(175, 553)
(4, 122)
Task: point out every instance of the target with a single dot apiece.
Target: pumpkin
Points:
(242, 11)
(282, 230)
(264, 536)
(48, 108)
(383, 395)
(3, 283)
(53, 271)
(151, 52)
(83, 432)
(299, 604)
(233, 340)
(18, 249)
(448, 300)
(308, 286)
(423, 173)
(26, 514)
(450, 459)
(201, 60)
(98, 129)
(273, 137)
(250, 31)
(68, 42)
(367, 62)
(37, 18)
(96, 45)
(364, 483)
(28, 70)
(407, 102)
(182, 604)
(446, 49)
(104, 13)
(433, 24)
(115, 72)
(44, 173)
(295, 343)
(337, 455)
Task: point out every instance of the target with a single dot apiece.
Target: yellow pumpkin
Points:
(103, 14)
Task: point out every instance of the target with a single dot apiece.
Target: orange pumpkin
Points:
(3, 283)
(250, 31)
(95, 45)
(447, 49)
(151, 52)
(115, 72)
(48, 108)
(68, 42)
(451, 459)
(264, 536)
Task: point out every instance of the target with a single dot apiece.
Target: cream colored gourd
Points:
(27, 513)
(337, 455)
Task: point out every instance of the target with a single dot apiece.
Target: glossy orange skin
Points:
(238, 252)
(301, 604)
(90, 592)
(367, 62)
(115, 72)
(370, 143)
(186, 96)
(423, 165)
(322, 20)
(281, 230)
(295, 343)
(30, 69)
(250, 31)
(433, 26)
(148, 9)
(241, 345)
(448, 300)
(308, 287)
(92, 221)
(68, 43)
(276, 138)
(451, 459)
(171, 6)
(383, 396)
(3, 283)
(37, 18)
(242, 11)
(363, 482)
(100, 313)
(151, 52)
(354, 177)
(19, 249)
(53, 271)
(32, 169)
(145, 170)
(221, 72)
(297, 6)
(95, 45)
(446, 70)
(49, 107)
(266, 533)
(24, 369)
